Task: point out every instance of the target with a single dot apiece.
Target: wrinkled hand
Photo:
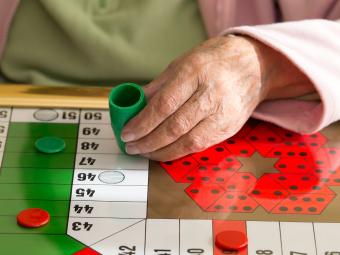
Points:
(201, 99)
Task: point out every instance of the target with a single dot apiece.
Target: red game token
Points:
(33, 218)
(231, 240)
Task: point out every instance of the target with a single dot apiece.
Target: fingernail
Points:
(127, 137)
(130, 149)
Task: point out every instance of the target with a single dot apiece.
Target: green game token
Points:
(50, 144)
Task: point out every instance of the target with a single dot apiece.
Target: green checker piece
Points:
(50, 144)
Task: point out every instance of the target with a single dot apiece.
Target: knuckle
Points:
(178, 126)
(195, 143)
(166, 104)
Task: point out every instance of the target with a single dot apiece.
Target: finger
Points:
(204, 135)
(164, 103)
(151, 88)
(197, 108)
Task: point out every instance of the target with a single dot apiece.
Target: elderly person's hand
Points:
(205, 96)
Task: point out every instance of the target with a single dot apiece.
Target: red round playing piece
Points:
(33, 218)
(231, 240)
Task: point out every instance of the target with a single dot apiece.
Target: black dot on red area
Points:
(230, 142)
(289, 135)
(219, 149)
(313, 144)
(190, 178)
(282, 165)
(301, 144)
(229, 159)
(219, 207)
(194, 191)
(247, 208)
(324, 180)
(242, 197)
(202, 168)
(253, 138)
(316, 188)
(288, 143)
(271, 139)
(283, 208)
(282, 178)
(303, 154)
(293, 198)
(244, 151)
(277, 153)
(298, 209)
(233, 207)
(319, 162)
(318, 171)
(293, 187)
(168, 163)
(256, 192)
(205, 178)
(337, 180)
(305, 178)
(333, 152)
(230, 196)
(219, 179)
(314, 136)
(216, 168)
(306, 199)
(246, 177)
(231, 187)
(186, 163)
(312, 209)
(277, 193)
(301, 166)
(291, 153)
(320, 199)
(204, 158)
(215, 191)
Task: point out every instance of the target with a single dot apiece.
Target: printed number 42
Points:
(127, 250)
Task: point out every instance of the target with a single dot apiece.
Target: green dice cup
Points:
(125, 101)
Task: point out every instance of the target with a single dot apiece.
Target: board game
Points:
(279, 188)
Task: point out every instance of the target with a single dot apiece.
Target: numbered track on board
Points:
(99, 198)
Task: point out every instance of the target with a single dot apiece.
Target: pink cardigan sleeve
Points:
(314, 47)
(7, 11)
